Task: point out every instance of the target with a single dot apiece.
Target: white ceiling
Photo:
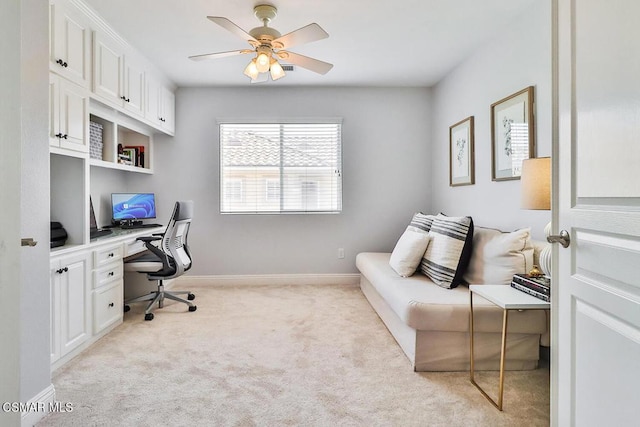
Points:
(371, 43)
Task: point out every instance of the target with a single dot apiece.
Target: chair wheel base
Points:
(148, 316)
(126, 308)
(193, 308)
(191, 297)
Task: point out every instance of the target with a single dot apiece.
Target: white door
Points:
(596, 299)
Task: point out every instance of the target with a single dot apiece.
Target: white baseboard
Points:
(271, 279)
(40, 404)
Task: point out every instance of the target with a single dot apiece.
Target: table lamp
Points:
(536, 195)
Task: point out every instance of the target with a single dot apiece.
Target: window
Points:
(281, 167)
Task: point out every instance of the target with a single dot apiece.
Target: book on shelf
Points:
(138, 153)
(531, 292)
(540, 284)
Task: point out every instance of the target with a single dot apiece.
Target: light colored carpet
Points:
(302, 355)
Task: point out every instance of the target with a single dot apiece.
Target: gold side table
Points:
(507, 298)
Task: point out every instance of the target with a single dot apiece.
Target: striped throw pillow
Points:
(422, 222)
(449, 251)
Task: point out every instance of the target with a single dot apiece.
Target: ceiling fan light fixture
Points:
(276, 70)
(263, 62)
(251, 70)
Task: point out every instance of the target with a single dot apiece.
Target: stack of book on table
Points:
(537, 286)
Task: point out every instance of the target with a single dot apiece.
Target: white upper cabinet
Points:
(70, 44)
(133, 90)
(69, 115)
(160, 105)
(168, 112)
(108, 63)
(85, 50)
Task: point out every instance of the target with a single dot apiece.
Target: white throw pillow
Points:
(408, 252)
(497, 256)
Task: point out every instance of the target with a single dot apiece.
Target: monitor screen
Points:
(133, 206)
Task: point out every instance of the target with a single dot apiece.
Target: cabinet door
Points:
(74, 304)
(70, 44)
(73, 116)
(152, 108)
(107, 305)
(55, 310)
(54, 110)
(108, 61)
(168, 116)
(133, 87)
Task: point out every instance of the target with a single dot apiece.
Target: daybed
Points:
(431, 322)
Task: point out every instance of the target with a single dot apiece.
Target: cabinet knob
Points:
(110, 255)
(62, 270)
(61, 62)
(58, 135)
(110, 273)
(65, 136)
(111, 304)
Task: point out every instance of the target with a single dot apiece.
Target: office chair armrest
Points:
(148, 239)
(164, 258)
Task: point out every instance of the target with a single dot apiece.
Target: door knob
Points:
(562, 238)
(28, 242)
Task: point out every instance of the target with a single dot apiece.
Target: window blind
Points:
(281, 167)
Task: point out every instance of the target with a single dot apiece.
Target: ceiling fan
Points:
(269, 46)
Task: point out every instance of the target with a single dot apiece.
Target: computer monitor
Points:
(130, 207)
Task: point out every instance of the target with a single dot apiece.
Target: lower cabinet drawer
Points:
(108, 273)
(107, 305)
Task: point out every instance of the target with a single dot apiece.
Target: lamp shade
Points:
(252, 70)
(536, 184)
(276, 70)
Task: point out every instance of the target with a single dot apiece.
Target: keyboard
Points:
(100, 233)
(131, 227)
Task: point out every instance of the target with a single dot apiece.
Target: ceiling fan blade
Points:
(220, 54)
(311, 64)
(230, 26)
(308, 34)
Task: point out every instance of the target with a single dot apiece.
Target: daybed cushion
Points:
(497, 256)
(408, 252)
(422, 305)
(449, 250)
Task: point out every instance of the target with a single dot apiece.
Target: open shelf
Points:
(123, 147)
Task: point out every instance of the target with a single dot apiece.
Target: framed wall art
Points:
(512, 134)
(461, 153)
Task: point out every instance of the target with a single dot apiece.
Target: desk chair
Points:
(168, 260)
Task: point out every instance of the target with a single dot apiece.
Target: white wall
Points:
(386, 174)
(517, 58)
